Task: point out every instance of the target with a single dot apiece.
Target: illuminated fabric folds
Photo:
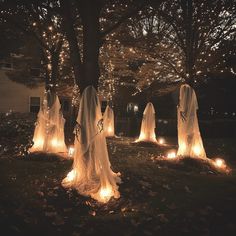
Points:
(108, 122)
(49, 130)
(91, 174)
(189, 137)
(147, 133)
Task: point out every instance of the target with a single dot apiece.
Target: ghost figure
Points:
(108, 122)
(49, 130)
(147, 133)
(91, 174)
(189, 137)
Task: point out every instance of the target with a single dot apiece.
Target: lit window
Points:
(132, 107)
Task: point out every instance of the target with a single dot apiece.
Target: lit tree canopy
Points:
(175, 41)
(43, 27)
(128, 43)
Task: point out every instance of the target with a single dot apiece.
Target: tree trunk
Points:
(90, 11)
(75, 57)
(87, 71)
(189, 42)
(54, 68)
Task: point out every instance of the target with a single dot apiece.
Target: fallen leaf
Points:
(187, 189)
(163, 218)
(93, 213)
(166, 186)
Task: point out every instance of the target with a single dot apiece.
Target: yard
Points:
(157, 197)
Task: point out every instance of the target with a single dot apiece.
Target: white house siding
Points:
(15, 96)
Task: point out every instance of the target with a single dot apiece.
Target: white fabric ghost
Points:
(91, 174)
(189, 137)
(147, 133)
(49, 130)
(108, 122)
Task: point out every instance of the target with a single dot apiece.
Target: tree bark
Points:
(55, 59)
(189, 42)
(90, 11)
(75, 57)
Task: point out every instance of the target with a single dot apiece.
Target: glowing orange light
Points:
(161, 141)
(220, 163)
(54, 142)
(171, 155)
(105, 193)
(197, 150)
(110, 129)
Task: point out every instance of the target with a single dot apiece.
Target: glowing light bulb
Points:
(54, 142)
(105, 193)
(109, 129)
(171, 155)
(71, 151)
(161, 141)
(197, 150)
(71, 175)
(220, 163)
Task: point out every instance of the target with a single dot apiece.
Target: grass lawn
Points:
(156, 198)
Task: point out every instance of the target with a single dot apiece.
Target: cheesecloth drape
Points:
(49, 130)
(189, 137)
(148, 125)
(91, 174)
(108, 122)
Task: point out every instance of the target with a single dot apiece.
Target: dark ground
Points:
(157, 197)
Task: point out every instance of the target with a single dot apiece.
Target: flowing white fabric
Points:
(49, 130)
(108, 122)
(147, 133)
(91, 174)
(189, 137)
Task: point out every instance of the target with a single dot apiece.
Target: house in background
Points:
(22, 87)
(21, 83)
(17, 97)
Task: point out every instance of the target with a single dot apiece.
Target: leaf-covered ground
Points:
(157, 197)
